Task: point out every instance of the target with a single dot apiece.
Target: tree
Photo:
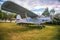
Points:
(52, 12)
(46, 12)
(56, 18)
(0, 14)
(4, 16)
(11, 17)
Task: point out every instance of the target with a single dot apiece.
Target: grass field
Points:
(12, 31)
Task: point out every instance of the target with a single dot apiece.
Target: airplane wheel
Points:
(42, 26)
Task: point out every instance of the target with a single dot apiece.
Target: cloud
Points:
(2, 0)
(1, 4)
(38, 4)
(59, 0)
(34, 3)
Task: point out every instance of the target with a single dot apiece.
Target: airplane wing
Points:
(15, 8)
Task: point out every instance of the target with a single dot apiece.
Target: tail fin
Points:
(18, 19)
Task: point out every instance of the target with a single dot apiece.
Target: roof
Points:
(15, 8)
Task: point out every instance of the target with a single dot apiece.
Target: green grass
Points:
(12, 31)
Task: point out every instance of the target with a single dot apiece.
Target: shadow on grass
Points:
(4, 33)
(26, 28)
(57, 37)
(4, 36)
(58, 34)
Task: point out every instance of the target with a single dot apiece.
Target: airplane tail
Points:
(18, 19)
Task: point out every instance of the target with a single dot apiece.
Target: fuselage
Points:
(32, 20)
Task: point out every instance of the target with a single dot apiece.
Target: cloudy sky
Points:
(37, 6)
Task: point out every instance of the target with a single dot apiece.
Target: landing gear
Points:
(42, 26)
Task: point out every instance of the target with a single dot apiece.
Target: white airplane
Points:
(36, 20)
(23, 15)
(28, 20)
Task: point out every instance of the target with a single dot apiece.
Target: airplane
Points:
(23, 15)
